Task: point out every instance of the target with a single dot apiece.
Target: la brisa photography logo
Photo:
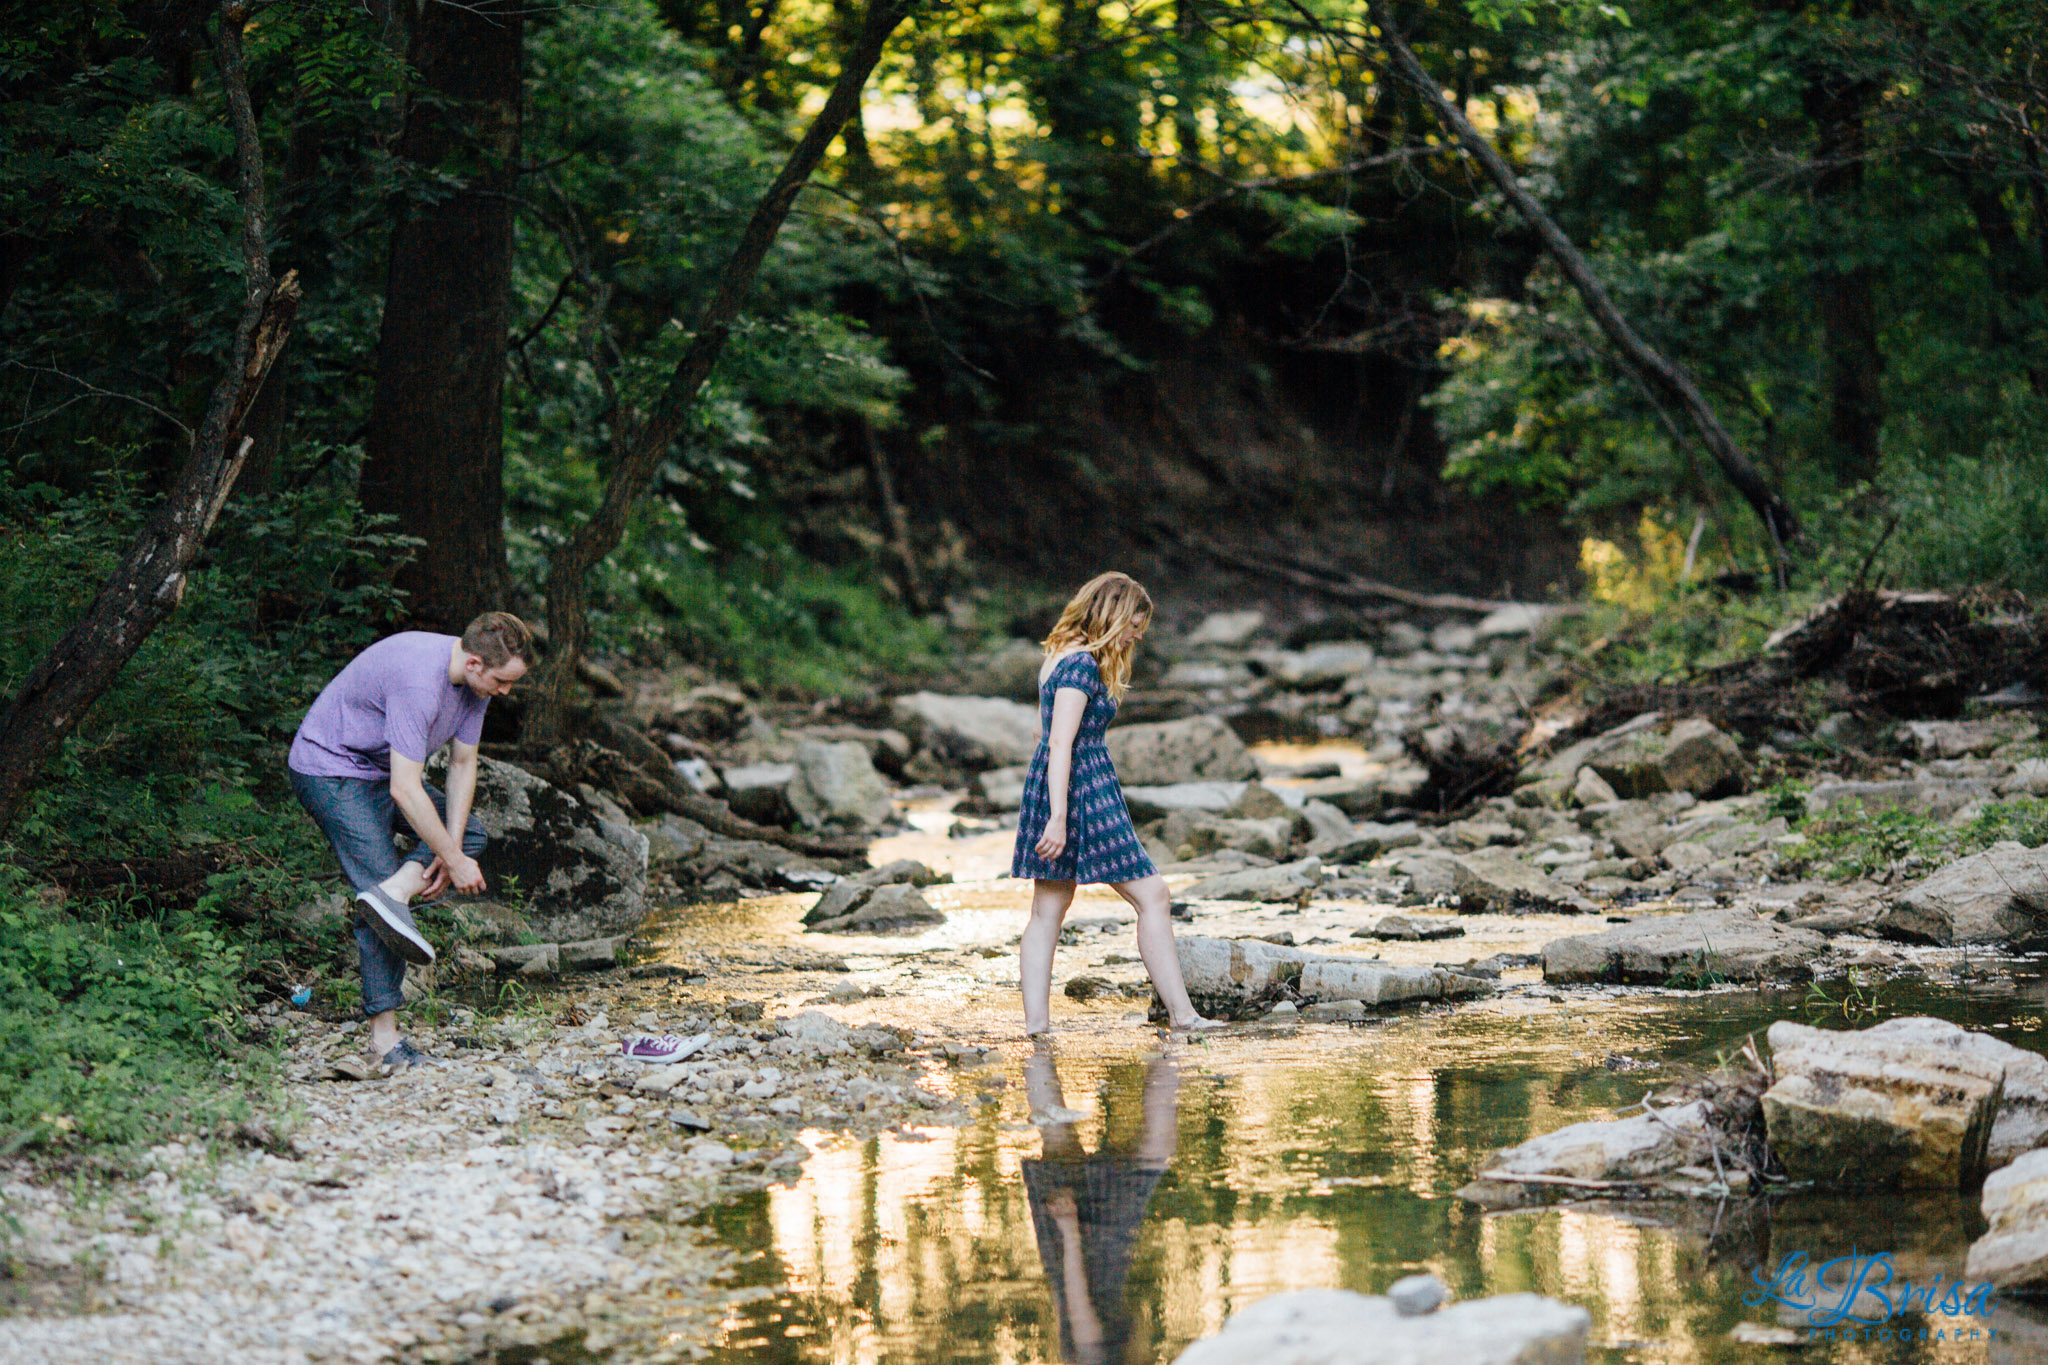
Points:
(1859, 1298)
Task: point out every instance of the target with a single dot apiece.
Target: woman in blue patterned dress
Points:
(1074, 826)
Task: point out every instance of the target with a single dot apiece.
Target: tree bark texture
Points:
(434, 458)
(150, 581)
(1657, 371)
(1843, 292)
(638, 455)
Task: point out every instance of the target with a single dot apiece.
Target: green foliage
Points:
(1701, 970)
(184, 750)
(1851, 1001)
(1850, 841)
(113, 1025)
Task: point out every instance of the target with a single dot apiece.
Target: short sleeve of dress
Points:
(1079, 671)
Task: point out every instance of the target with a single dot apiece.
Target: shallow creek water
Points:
(1116, 1197)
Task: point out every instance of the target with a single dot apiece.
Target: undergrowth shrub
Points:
(1850, 841)
(114, 1025)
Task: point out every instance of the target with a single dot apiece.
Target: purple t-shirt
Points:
(394, 697)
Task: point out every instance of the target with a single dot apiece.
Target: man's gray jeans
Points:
(359, 818)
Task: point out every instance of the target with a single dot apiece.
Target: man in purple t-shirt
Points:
(358, 763)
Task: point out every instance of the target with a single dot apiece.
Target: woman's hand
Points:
(1054, 839)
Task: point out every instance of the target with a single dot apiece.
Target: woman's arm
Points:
(1069, 704)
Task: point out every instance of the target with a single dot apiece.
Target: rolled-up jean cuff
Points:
(383, 972)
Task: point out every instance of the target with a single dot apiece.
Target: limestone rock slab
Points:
(1495, 879)
(2022, 1122)
(1997, 896)
(1640, 1147)
(2013, 1252)
(1733, 942)
(974, 732)
(838, 784)
(1289, 882)
(1198, 749)
(1858, 1109)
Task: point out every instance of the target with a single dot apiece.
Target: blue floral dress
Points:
(1102, 843)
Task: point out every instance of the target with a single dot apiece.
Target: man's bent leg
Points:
(356, 815)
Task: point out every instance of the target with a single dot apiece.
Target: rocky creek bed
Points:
(532, 1189)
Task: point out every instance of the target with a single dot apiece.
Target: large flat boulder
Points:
(580, 876)
(1733, 943)
(1997, 896)
(760, 791)
(2013, 1253)
(837, 784)
(1651, 754)
(1326, 665)
(1383, 983)
(1689, 755)
(1867, 1109)
(1287, 883)
(1495, 879)
(1642, 1147)
(1224, 972)
(1962, 738)
(1225, 629)
(1213, 798)
(1198, 749)
(1339, 1327)
(972, 732)
(897, 905)
(2022, 1122)
(1191, 834)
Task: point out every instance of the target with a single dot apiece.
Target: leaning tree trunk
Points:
(434, 458)
(150, 581)
(640, 454)
(1657, 371)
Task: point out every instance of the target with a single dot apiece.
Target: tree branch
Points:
(1658, 371)
(568, 573)
(150, 581)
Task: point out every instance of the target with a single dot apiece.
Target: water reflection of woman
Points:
(1086, 1208)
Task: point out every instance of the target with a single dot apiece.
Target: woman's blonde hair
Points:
(1097, 620)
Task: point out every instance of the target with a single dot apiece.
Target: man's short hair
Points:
(497, 638)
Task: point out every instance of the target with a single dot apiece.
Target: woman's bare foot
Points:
(1199, 1023)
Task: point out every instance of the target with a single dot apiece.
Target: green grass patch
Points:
(1850, 841)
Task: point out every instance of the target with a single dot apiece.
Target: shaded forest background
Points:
(1156, 285)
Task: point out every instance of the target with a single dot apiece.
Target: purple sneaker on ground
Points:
(648, 1047)
(663, 1047)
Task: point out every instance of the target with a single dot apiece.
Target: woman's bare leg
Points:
(1049, 902)
(1161, 1136)
(1149, 897)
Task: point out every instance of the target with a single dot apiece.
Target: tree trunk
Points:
(435, 458)
(639, 455)
(147, 586)
(1848, 312)
(1658, 372)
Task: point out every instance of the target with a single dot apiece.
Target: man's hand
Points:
(463, 874)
